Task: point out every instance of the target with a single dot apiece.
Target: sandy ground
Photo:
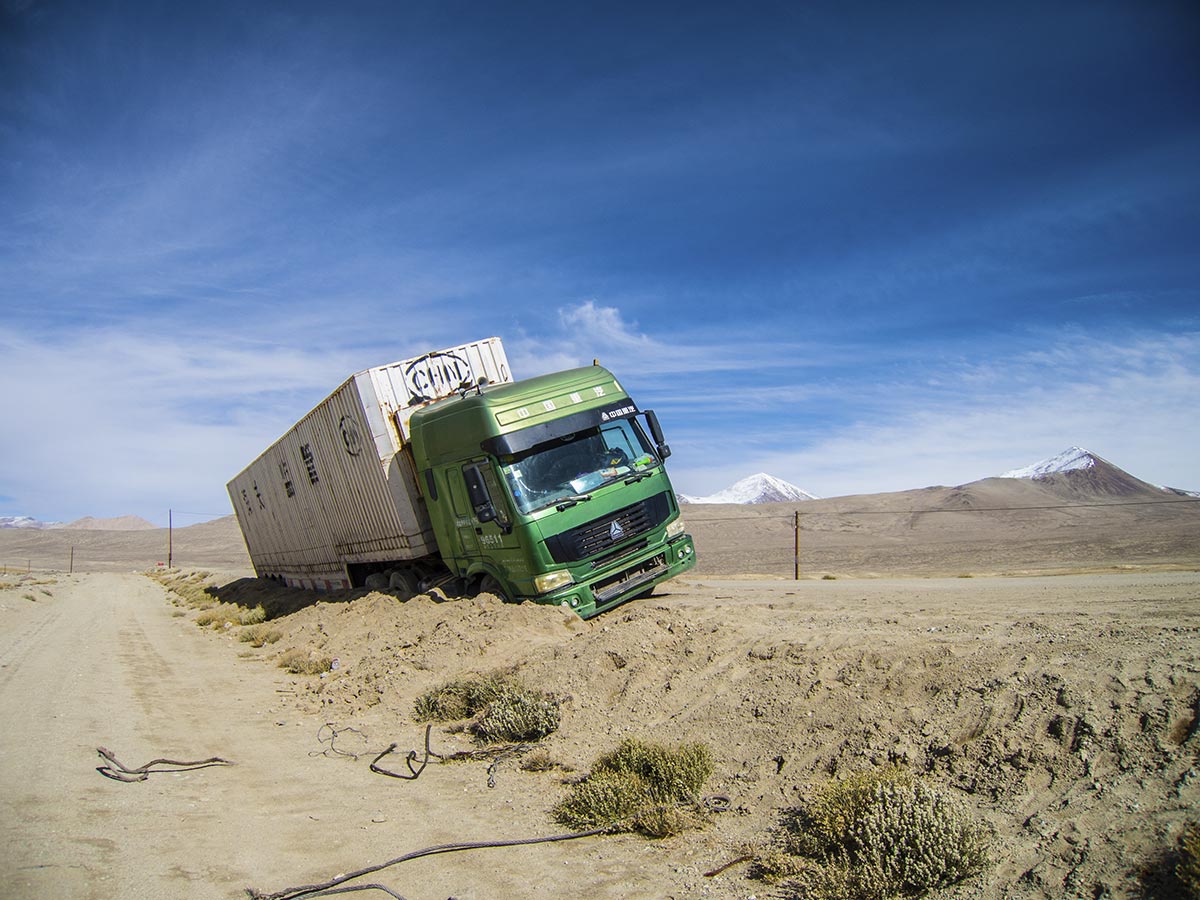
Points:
(1032, 647)
(1062, 709)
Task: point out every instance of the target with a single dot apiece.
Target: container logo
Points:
(436, 375)
(350, 436)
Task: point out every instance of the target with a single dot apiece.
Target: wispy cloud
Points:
(126, 420)
(1126, 399)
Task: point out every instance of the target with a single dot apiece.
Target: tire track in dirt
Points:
(19, 645)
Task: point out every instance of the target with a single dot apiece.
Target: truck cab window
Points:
(577, 463)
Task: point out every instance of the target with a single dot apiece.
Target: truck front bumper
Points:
(633, 579)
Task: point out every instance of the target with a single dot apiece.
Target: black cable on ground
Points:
(358, 887)
(333, 732)
(412, 755)
(315, 890)
(118, 771)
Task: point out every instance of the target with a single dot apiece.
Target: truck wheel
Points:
(489, 584)
(403, 584)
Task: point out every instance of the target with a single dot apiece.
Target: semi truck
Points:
(442, 471)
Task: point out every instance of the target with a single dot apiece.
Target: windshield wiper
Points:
(635, 478)
(568, 502)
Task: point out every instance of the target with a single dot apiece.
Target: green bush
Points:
(605, 799)
(878, 835)
(672, 774)
(640, 787)
(517, 716)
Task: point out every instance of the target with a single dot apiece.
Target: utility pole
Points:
(796, 569)
(170, 537)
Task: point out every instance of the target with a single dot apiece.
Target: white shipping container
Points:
(338, 489)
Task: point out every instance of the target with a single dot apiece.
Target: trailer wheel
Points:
(489, 584)
(403, 584)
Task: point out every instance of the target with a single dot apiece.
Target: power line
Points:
(977, 509)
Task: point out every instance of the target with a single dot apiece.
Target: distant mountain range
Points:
(26, 522)
(1079, 470)
(87, 523)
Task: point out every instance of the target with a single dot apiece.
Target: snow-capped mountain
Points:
(1068, 461)
(26, 522)
(1079, 468)
(760, 488)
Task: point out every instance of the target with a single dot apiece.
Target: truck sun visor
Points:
(519, 441)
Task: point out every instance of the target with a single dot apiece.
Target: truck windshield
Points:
(572, 465)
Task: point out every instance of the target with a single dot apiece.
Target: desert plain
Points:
(1032, 649)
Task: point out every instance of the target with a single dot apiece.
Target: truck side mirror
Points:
(656, 432)
(477, 492)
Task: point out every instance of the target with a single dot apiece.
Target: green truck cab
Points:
(551, 489)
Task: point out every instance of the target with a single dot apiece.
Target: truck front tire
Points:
(489, 584)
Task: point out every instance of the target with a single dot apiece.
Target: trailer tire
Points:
(490, 584)
(403, 584)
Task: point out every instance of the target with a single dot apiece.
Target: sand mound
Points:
(1075, 707)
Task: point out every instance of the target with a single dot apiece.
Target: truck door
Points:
(486, 528)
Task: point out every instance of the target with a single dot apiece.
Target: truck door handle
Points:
(479, 531)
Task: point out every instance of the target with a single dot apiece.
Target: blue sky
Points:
(860, 246)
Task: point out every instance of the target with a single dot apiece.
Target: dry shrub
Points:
(538, 761)
(456, 700)
(217, 617)
(877, 835)
(640, 787)
(260, 635)
(1188, 867)
(191, 588)
(502, 708)
(226, 615)
(299, 662)
(252, 616)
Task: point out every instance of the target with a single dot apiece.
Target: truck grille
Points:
(606, 532)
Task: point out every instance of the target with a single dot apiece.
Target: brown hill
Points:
(212, 545)
(119, 523)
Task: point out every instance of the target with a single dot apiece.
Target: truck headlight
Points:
(550, 581)
(676, 528)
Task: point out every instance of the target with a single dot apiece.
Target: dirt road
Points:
(100, 660)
